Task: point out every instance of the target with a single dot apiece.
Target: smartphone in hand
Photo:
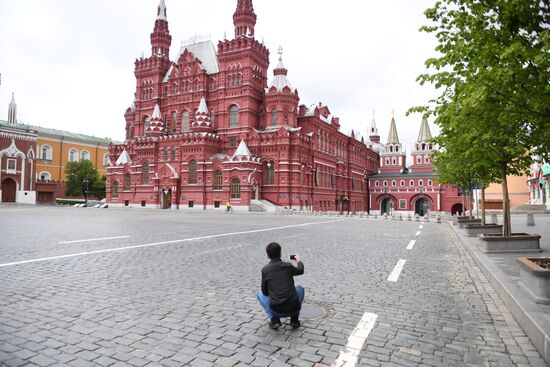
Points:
(292, 257)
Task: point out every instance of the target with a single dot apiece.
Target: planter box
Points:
(473, 230)
(535, 278)
(462, 223)
(517, 242)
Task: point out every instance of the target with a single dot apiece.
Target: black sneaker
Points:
(294, 322)
(275, 323)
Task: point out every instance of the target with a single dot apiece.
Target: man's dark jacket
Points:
(278, 284)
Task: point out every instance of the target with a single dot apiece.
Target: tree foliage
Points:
(494, 75)
(83, 180)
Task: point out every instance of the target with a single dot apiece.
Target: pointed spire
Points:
(12, 111)
(203, 108)
(425, 134)
(280, 80)
(244, 19)
(156, 126)
(162, 11)
(156, 113)
(242, 151)
(373, 128)
(393, 138)
(123, 159)
(203, 122)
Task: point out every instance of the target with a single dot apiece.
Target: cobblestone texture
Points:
(193, 303)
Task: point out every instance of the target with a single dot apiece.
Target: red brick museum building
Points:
(211, 126)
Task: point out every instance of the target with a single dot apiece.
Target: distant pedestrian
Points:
(278, 295)
(229, 206)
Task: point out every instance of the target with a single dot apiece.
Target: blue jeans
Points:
(264, 301)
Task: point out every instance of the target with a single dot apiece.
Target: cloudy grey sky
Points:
(70, 63)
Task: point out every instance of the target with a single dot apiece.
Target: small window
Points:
(234, 117)
(143, 203)
(173, 153)
(402, 204)
(402, 183)
(217, 204)
(393, 183)
(126, 202)
(430, 183)
(145, 173)
(185, 122)
(235, 189)
(273, 117)
(11, 166)
(45, 176)
(385, 183)
(114, 190)
(420, 183)
(146, 123)
(217, 180)
(84, 155)
(376, 184)
(105, 159)
(46, 152)
(73, 155)
(269, 175)
(127, 182)
(191, 204)
(233, 143)
(411, 183)
(192, 179)
(165, 154)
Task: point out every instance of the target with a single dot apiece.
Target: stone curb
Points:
(530, 316)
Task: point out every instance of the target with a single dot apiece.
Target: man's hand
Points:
(298, 258)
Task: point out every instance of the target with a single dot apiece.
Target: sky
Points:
(70, 63)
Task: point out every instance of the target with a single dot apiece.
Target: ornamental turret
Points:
(423, 148)
(244, 19)
(202, 122)
(156, 125)
(12, 111)
(281, 98)
(161, 38)
(392, 156)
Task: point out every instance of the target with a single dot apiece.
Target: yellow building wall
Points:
(60, 156)
(518, 191)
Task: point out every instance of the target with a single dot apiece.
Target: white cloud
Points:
(71, 63)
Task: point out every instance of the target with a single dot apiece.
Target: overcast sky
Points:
(70, 63)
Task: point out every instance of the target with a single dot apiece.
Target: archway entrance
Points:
(8, 190)
(422, 207)
(386, 206)
(456, 209)
(166, 199)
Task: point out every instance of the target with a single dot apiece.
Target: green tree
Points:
(493, 72)
(83, 180)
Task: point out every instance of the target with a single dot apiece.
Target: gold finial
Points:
(280, 51)
(393, 113)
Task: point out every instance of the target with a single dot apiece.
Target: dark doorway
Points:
(386, 206)
(167, 199)
(8, 190)
(456, 209)
(422, 207)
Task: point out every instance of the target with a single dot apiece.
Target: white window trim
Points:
(11, 170)
(49, 154)
(82, 152)
(105, 159)
(77, 155)
(47, 173)
(420, 183)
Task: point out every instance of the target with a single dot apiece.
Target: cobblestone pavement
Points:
(193, 302)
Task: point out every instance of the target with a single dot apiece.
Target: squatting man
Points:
(278, 295)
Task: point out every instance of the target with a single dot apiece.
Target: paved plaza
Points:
(105, 287)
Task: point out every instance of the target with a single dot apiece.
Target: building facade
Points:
(396, 188)
(52, 149)
(206, 128)
(539, 183)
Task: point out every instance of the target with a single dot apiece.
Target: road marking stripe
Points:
(421, 226)
(411, 245)
(417, 233)
(397, 271)
(164, 243)
(93, 239)
(349, 356)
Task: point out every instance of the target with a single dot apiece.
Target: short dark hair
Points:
(273, 250)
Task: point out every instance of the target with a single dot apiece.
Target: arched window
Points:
(174, 122)
(411, 183)
(385, 183)
(127, 182)
(73, 155)
(235, 189)
(274, 117)
(173, 153)
(146, 123)
(430, 183)
(333, 180)
(212, 117)
(420, 183)
(318, 177)
(393, 183)
(185, 122)
(376, 183)
(192, 179)
(217, 180)
(402, 183)
(165, 154)
(105, 159)
(145, 173)
(269, 173)
(45, 176)
(114, 190)
(46, 152)
(234, 117)
(84, 155)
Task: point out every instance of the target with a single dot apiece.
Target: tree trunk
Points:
(506, 222)
(463, 205)
(482, 205)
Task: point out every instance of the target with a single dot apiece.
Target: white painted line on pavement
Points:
(349, 356)
(93, 239)
(421, 226)
(411, 245)
(165, 243)
(397, 271)
(417, 233)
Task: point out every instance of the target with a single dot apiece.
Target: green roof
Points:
(40, 131)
